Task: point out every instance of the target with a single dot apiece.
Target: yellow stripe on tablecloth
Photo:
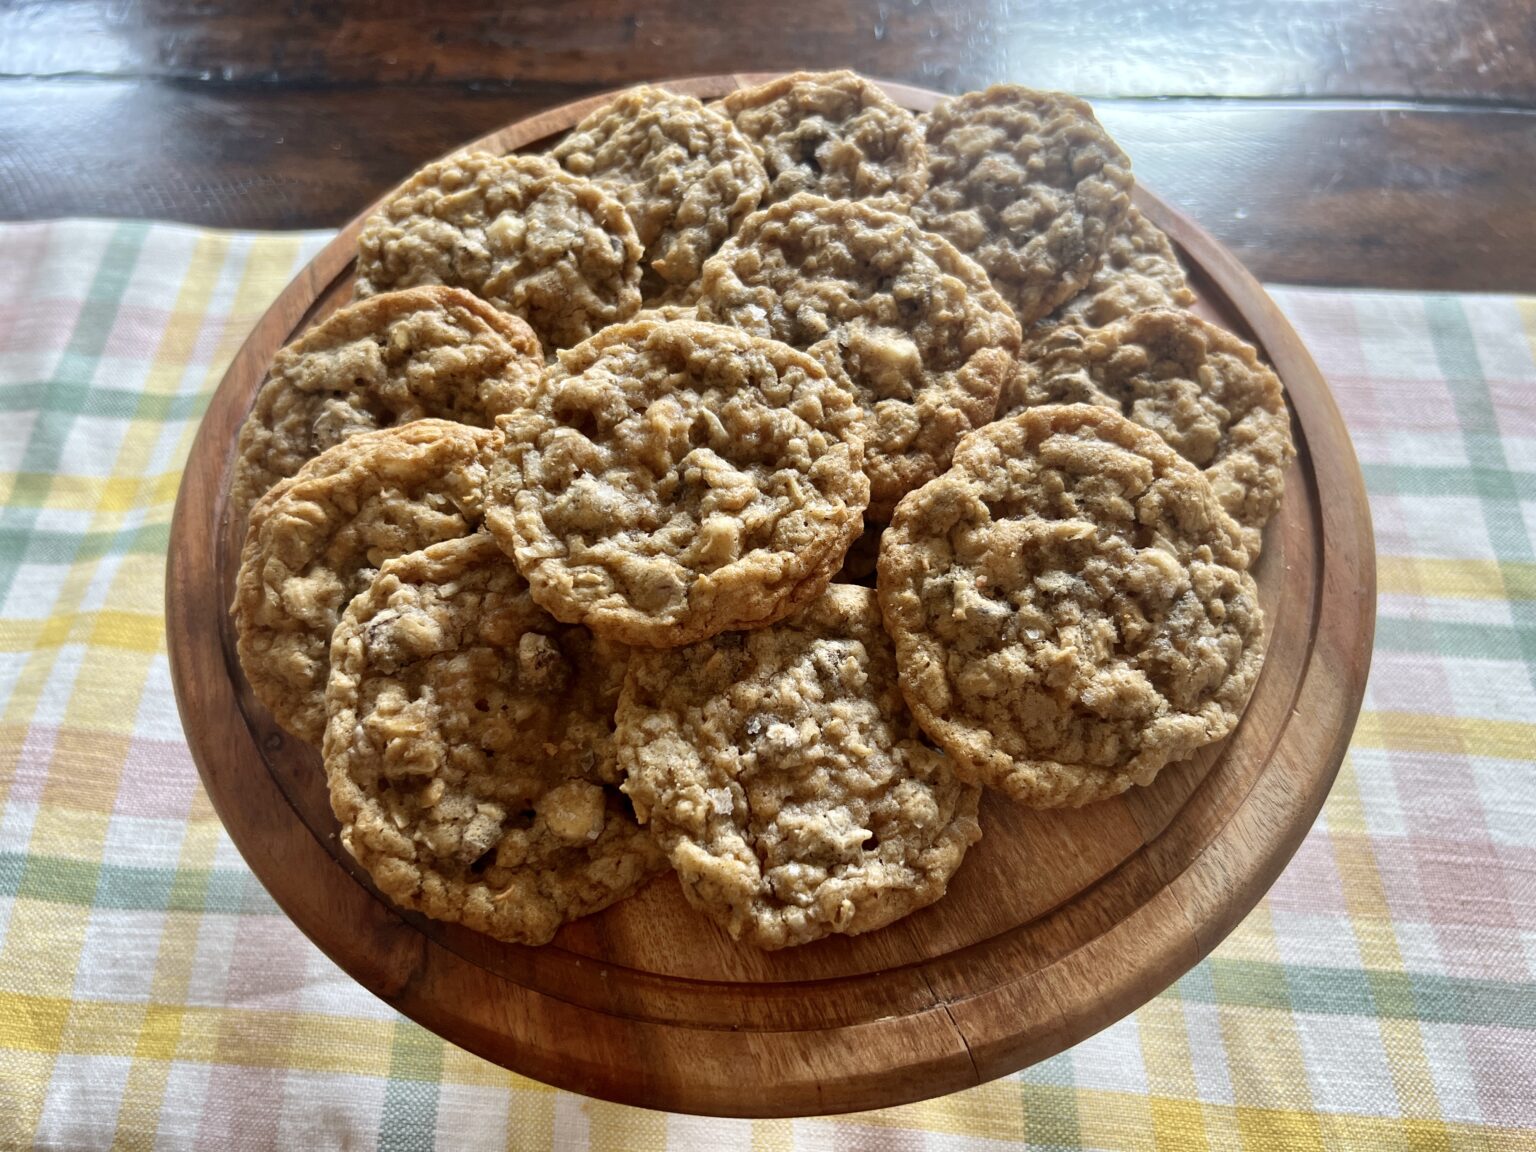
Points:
(616, 1128)
(107, 495)
(1450, 735)
(1370, 919)
(287, 1039)
(1175, 1114)
(26, 1075)
(773, 1136)
(1455, 579)
(1178, 1125)
(144, 1092)
(42, 948)
(106, 628)
(1123, 1126)
(73, 831)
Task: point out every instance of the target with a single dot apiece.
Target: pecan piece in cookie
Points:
(791, 788)
(674, 480)
(315, 540)
(1070, 605)
(909, 322)
(387, 360)
(470, 748)
(1199, 387)
(834, 134)
(1028, 185)
(686, 175)
(517, 231)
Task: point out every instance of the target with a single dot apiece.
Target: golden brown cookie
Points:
(470, 748)
(1139, 272)
(673, 480)
(834, 134)
(1070, 605)
(911, 324)
(1028, 185)
(1199, 387)
(316, 539)
(794, 793)
(517, 231)
(685, 174)
(389, 359)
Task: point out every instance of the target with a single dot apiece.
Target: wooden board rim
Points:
(957, 1039)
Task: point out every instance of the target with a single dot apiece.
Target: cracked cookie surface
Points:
(673, 480)
(1028, 185)
(316, 539)
(518, 231)
(1139, 272)
(685, 174)
(1199, 387)
(469, 748)
(1070, 606)
(792, 789)
(387, 360)
(911, 324)
(834, 134)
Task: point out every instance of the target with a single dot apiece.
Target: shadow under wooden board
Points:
(1058, 923)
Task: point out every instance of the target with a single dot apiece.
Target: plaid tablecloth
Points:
(1383, 996)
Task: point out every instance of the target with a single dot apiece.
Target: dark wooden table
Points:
(1348, 142)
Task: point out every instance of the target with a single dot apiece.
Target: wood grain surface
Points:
(1058, 923)
(1345, 142)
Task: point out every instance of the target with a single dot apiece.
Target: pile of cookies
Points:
(742, 487)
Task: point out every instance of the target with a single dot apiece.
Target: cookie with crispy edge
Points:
(793, 791)
(685, 174)
(1029, 186)
(912, 325)
(833, 134)
(676, 479)
(469, 748)
(387, 360)
(1199, 387)
(316, 539)
(518, 231)
(1070, 606)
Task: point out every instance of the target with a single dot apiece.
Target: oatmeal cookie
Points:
(1028, 185)
(794, 793)
(834, 134)
(1139, 272)
(1070, 605)
(316, 539)
(469, 748)
(386, 360)
(672, 480)
(517, 231)
(909, 322)
(1199, 387)
(685, 174)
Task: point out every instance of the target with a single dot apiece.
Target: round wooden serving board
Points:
(1058, 924)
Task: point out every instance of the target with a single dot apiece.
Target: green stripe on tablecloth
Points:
(75, 398)
(59, 880)
(1321, 991)
(1415, 480)
(49, 546)
(75, 370)
(1456, 352)
(1454, 638)
(409, 1121)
